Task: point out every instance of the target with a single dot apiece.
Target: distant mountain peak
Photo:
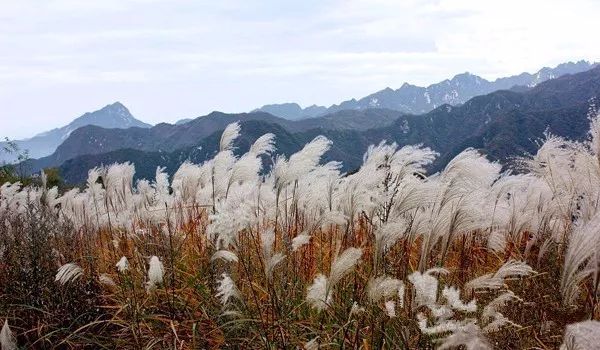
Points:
(118, 107)
(114, 115)
(417, 100)
(111, 116)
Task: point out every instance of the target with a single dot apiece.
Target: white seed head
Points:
(68, 272)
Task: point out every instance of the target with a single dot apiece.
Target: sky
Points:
(172, 59)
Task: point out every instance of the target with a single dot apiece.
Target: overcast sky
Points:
(172, 59)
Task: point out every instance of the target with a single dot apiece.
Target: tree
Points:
(14, 172)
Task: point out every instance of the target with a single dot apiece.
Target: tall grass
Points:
(228, 255)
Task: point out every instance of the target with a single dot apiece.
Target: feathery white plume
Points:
(425, 286)
(271, 263)
(390, 308)
(300, 241)
(582, 335)
(227, 289)
(584, 242)
(319, 293)
(123, 264)
(514, 268)
(498, 321)
(493, 307)
(440, 312)
(7, 338)
(470, 336)
(442, 327)
(271, 260)
(452, 296)
(68, 272)
(263, 145)
(343, 264)
(302, 162)
(225, 255)
(231, 132)
(267, 239)
(383, 287)
(387, 235)
(510, 269)
(156, 272)
(106, 280)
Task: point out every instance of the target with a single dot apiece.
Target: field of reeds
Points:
(262, 252)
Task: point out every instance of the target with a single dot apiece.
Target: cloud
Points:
(309, 51)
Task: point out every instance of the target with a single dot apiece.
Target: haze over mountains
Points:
(417, 100)
(408, 99)
(111, 116)
(502, 124)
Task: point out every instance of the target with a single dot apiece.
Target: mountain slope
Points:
(164, 137)
(502, 125)
(418, 100)
(111, 116)
(293, 111)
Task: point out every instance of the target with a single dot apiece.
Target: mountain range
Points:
(418, 100)
(503, 124)
(407, 99)
(91, 139)
(111, 116)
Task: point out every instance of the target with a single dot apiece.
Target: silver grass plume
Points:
(582, 336)
(161, 186)
(595, 135)
(7, 338)
(440, 312)
(122, 265)
(442, 327)
(226, 290)
(584, 242)
(514, 268)
(469, 336)
(386, 236)
(224, 255)
(299, 241)
(390, 308)
(383, 287)
(231, 132)
(270, 260)
(68, 272)
(356, 309)
(249, 165)
(510, 269)
(494, 306)
(343, 264)
(425, 286)
(452, 296)
(319, 293)
(263, 145)
(156, 273)
(106, 280)
(498, 321)
(301, 162)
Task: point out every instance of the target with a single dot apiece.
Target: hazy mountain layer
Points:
(418, 100)
(111, 116)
